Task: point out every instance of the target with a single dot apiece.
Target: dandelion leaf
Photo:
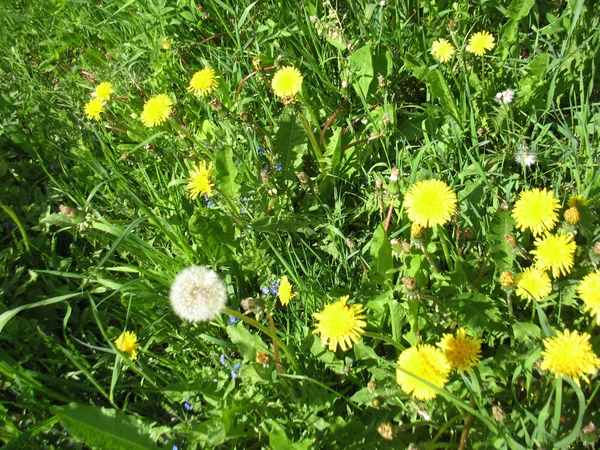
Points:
(248, 344)
(291, 144)
(361, 63)
(103, 428)
(381, 252)
(440, 90)
(279, 441)
(226, 173)
(502, 253)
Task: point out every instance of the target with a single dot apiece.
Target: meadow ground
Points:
(294, 225)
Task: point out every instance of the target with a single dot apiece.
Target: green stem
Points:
(311, 137)
(258, 326)
(443, 239)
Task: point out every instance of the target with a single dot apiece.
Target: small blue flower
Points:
(210, 204)
(238, 366)
(222, 359)
(278, 167)
(175, 447)
(276, 283)
(233, 374)
(51, 168)
(187, 407)
(246, 199)
(233, 320)
(274, 291)
(265, 290)
(243, 211)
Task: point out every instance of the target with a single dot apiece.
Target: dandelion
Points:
(577, 200)
(507, 279)
(204, 82)
(589, 292)
(285, 291)
(537, 210)
(480, 43)
(429, 203)
(93, 108)
(426, 362)
(462, 352)
(198, 294)
(340, 323)
(166, 44)
(127, 342)
(524, 156)
(506, 96)
(287, 82)
(533, 283)
(442, 50)
(156, 110)
(572, 215)
(555, 252)
(103, 91)
(570, 354)
(199, 180)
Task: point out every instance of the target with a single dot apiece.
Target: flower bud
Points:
(257, 64)
(262, 359)
(303, 177)
(507, 279)
(350, 244)
(386, 431)
(498, 414)
(405, 247)
(416, 231)
(572, 216)
(67, 211)
(409, 282)
(510, 240)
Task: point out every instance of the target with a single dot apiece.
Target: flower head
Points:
(506, 96)
(525, 156)
(198, 294)
(442, 50)
(507, 279)
(536, 209)
(93, 108)
(166, 44)
(156, 110)
(204, 82)
(572, 215)
(577, 200)
(103, 91)
(480, 43)
(340, 323)
(429, 203)
(285, 291)
(199, 180)
(570, 354)
(287, 82)
(426, 362)
(462, 352)
(555, 252)
(128, 343)
(533, 283)
(589, 291)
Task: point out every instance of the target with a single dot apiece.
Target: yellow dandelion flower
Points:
(199, 180)
(570, 354)
(555, 252)
(416, 230)
(166, 44)
(93, 108)
(577, 200)
(156, 110)
(285, 291)
(340, 324)
(589, 291)
(442, 50)
(572, 215)
(426, 362)
(204, 82)
(536, 210)
(104, 90)
(480, 43)
(462, 352)
(507, 279)
(128, 343)
(287, 82)
(429, 203)
(533, 283)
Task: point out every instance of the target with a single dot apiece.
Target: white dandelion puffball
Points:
(198, 294)
(505, 96)
(525, 156)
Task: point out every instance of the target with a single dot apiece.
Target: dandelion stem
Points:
(331, 120)
(234, 211)
(355, 121)
(258, 326)
(432, 263)
(275, 347)
(509, 302)
(465, 433)
(443, 239)
(361, 141)
(386, 227)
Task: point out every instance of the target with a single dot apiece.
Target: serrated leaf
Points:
(291, 144)
(248, 344)
(226, 173)
(103, 428)
(361, 63)
(502, 253)
(381, 252)
(279, 441)
(439, 89)
(525, 331)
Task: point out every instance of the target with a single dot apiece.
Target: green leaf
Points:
(361, 63)
(502, 253)
(213, 233)
(6, 316)
(291, 143)
(525, 331)
(226, 173)
(439, 89)
(279, 441)
(381, 252)
(519, 9)
(248, 343)
(103, 428)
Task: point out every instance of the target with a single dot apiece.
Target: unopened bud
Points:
(67, 211)
(243, 115)
(264, 175)
(510, 240)
(257, 64)
(381, 80)
(262, 359)
(589, 428)
(504, 206)
(375, 402)
(166, 44)
(394, 242)
(378, 183)
(386, 431)
(597, 248)
(216, 104)
(469, 234)
(498, 413)
(507, 279)
(303, 177)
(124, 157)
(406, 247)
(386, 119)
(350, 244)
(409, 282)
(572, 216)
(248, 304)
(394, 175)
(416, 231)
(344, 84)
(372, 385)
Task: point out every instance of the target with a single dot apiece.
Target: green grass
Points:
(69, 286)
